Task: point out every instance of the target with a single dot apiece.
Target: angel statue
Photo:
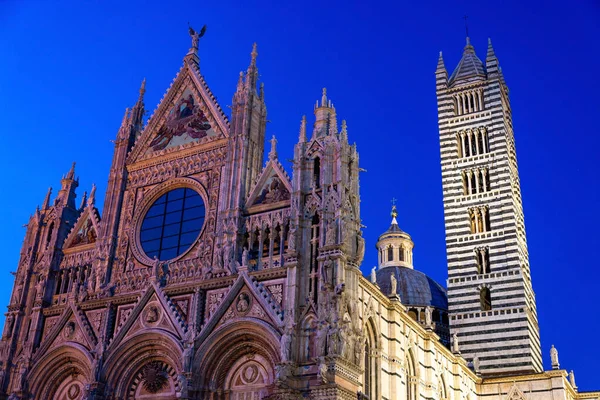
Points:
(196, 36)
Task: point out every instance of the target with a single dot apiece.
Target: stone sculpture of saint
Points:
(286, 344)
(331, 233)
(393, 285)
(219, 260)
(428, 319)
(373, 275)
(326, 273)
(360, 247)
(455, 348)
(292, 236)
(321, 340)
(245, 258)
(554, 358)
(188, 352)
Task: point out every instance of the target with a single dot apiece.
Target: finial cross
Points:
(393, 201)
(466, 17)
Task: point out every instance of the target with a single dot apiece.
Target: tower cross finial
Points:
(393, 201)
(466, 17)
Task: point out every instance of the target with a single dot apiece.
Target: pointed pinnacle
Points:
(83, 201)
(92, 197)
(254, 54)
(302, 137)
(490, 50)
(440, 64)
(46, 203)
(71, 173)
(240, 83)
(324, 98)
(344, 131)
(142, 90)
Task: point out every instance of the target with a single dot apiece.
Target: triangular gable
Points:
(151, 311)
(272, 187)
(187, 115)
(72, 326)
(515, 393)
(315, 148)
(245, 299)
(85, 231)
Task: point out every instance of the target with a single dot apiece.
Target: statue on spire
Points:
(196, 37)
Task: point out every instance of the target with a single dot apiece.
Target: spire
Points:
(138, 110)
(325, 117)
(83, 201)
(491, 61)
(254, 54)
(46, 203)
(252, 74)
(441, 75)
(302, 137)
(273, 152)
(470, 68)
(344, 132)
(66, 195)
(92, 198)
(71, 174)
(394, 212)
(440, 64)
(240, 84)
(142, 91)
(333, 123)
(261, 93)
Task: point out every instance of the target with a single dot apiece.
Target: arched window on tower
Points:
(390, 253)
(317, 172)
(402, 251)
(486, 299)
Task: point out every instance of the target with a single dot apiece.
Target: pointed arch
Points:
(151, 347)
(442, 389)
(411, 375)
(372, 361)
(68, 367)
(246, 344)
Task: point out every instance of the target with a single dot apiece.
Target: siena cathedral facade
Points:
(213, 274)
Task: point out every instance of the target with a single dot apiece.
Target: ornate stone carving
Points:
(154, 377)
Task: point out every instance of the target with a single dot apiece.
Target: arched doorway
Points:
(61, 374)
(146, 366)
(237, 361)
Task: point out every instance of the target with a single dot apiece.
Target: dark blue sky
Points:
(69, 69)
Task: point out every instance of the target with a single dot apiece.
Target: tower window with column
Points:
(472, 142)
(479, 219)
(482, 257)
(475, 181)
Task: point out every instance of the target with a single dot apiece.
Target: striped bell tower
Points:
(490, 297)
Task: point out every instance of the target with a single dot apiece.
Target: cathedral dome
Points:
(413, 287)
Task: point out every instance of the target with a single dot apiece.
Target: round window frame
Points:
(148, 201)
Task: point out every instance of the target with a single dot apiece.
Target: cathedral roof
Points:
(414, 287)
(470, 67)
